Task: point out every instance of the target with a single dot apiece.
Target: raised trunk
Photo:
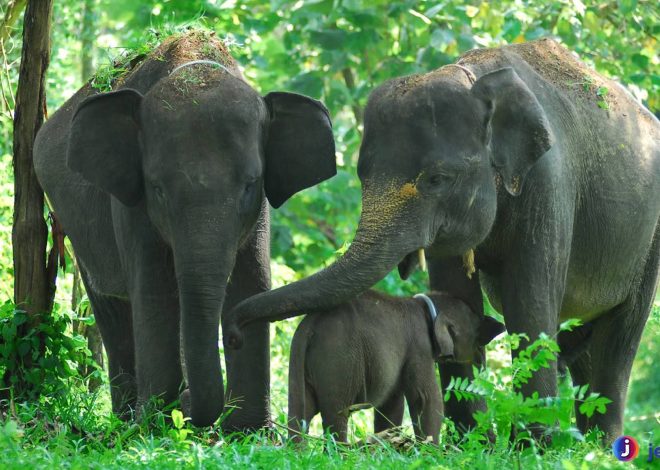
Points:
(369, 259)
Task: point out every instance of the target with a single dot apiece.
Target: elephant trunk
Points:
(378, 246)
(202, 280)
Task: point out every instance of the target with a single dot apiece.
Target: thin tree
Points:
(34, 276)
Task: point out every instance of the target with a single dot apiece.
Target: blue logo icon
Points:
(625, 448)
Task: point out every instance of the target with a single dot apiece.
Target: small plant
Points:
(509, 413)
(180, 433)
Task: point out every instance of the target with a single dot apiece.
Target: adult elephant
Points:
(159, 185)
(509, 152)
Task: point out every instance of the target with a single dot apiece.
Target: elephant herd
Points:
(163, 185)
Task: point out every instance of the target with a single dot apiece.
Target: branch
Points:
(14, 9)
(349, 79)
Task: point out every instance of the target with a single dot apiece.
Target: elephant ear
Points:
(518, 129)
(443, 339)
(300, 151)
(103, 144)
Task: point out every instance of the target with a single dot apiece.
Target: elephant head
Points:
(460, 333)
(436, 148)
(196, 154)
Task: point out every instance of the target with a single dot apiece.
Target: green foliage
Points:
(40, 352)
(337, 51)
(509, 413)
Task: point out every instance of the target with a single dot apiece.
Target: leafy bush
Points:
(509, 414)
(41, 352)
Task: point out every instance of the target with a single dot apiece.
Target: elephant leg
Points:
(114, 319)
(448, 275)
(156, 321)
(615, 340)
(301, 413)
(334, 422)
(580, 369)
(390, 413)
(425, 405)
(532, 279)
(153, 290)
(575, 356)
(248, 369)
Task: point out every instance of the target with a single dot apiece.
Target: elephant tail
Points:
(301, 397)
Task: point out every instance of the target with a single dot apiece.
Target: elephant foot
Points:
(184, 401)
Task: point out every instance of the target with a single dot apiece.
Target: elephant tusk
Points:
(468, 263)
(422, 259)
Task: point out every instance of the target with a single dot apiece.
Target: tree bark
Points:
(29, 234)
(12, 12)
(33, 275)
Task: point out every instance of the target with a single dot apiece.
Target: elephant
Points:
(545, 173)
(161, 186)
(376, 349)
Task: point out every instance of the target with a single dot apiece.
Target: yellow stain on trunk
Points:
(381, 204)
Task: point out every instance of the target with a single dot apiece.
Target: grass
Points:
(77, 430)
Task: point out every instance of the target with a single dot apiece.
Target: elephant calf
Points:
(376, 350)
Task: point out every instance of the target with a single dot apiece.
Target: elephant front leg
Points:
(153, 293)
(532, 288)
(424, 402)
(248, 369)
(156, 323)
(449, 275)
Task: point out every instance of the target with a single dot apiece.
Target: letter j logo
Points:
(625, 448)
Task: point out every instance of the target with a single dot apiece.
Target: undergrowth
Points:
(77, 430)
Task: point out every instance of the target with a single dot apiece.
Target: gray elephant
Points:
(375, 350)
(160, 187)
(508, 155)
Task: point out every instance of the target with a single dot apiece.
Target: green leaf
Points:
(627, 6)
(177, 419)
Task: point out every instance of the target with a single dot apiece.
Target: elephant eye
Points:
(435, 179)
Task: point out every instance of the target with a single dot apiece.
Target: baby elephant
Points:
(376, 350)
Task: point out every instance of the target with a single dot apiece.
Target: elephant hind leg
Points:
(389, 414)
(335, 423)
(616, 337)
(301, 413)
(114, 319)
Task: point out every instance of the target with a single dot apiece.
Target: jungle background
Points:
(336, 51)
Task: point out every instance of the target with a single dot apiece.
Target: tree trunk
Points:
(33, 280)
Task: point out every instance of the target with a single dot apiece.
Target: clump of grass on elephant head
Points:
(181, 46)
